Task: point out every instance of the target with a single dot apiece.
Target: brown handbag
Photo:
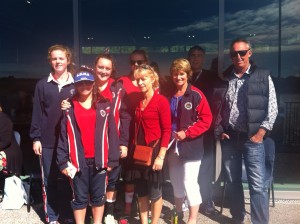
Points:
(143, 154)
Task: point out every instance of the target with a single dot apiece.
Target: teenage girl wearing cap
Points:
(113, 91)
(89, 144)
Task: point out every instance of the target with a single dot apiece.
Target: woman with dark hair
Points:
(11, 158)
(107, 87)
(88, 146)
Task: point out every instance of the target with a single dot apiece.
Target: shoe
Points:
(123, 221)
(208, 208)
(236, 221)
(185, 206)
(68, 221)
(109, 219)
(1, 196)
(53, 222)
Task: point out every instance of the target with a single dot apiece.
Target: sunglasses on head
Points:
(146, 67)
(241, 53)
(138, 62)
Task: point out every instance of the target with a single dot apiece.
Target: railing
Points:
(292, 123)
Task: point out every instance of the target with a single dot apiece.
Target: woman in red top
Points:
(153, 124)
(134, 95)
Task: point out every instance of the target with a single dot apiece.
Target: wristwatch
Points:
(161, 157)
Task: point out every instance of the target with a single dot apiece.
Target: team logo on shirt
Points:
(103, 113)
(188, 105)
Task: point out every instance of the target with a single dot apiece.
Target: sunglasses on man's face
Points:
(236, 53)
(138, 62)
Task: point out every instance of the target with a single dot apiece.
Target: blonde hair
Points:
(147, 70)
(181, 64)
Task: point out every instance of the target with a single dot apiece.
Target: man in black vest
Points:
(204, 80)
(247, 109)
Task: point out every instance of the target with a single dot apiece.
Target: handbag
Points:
(143, 154)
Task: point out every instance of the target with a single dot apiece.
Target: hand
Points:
(180, 135)
(259, 136)
(109, 168)
(158, 164)
(123, 151)
(224, 136)
(65, 104)
(37, 148)
(65, 172)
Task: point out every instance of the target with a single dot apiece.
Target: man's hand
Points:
(259, 136)
(65, 104)
(37, 148)
(224, 136)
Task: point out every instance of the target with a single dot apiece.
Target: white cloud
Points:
(263, 22)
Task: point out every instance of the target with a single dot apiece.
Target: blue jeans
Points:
(233, 151)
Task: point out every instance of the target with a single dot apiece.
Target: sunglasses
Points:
(241, 53)
(146, 67)
(138, 62)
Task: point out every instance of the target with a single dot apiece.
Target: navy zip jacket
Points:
(70, 147)
(195, 118)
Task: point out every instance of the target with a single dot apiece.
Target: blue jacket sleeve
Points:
(63, 147)
(113, 152)
(37, 113)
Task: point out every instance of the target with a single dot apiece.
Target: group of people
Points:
(87, 125)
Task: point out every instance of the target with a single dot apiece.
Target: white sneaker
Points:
(109, 219)
(185, 206)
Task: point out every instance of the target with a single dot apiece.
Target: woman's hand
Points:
(109, 168)
(180, 135)
(65, 104)
(65, 172)
(158, 164)
(123, 151)
(159, 160)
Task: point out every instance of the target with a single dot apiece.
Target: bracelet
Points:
(161, 157)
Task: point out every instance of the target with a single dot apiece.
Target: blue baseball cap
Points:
(83, 76)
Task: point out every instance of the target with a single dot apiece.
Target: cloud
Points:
(263, 22)
(203, 25)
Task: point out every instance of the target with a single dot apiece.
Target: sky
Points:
(29, 29)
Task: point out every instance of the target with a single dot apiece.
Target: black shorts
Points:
(147, 188)
(89, 186)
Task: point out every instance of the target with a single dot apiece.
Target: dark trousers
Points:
(55, 199)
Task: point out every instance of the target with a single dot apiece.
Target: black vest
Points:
(257, 99)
